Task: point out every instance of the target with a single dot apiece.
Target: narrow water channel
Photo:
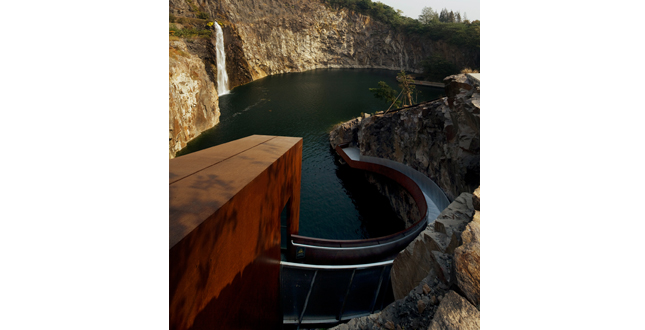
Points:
(336, 202)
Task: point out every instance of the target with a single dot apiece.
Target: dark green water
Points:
(336, 201)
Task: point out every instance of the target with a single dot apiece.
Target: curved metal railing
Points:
(429, 198)
(324, 295)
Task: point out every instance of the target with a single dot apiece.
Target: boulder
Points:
(454, 219)
(467, 271)
(433, 248)
(471, 233)
(455, 313)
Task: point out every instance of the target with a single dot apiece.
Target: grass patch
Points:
(469, 70)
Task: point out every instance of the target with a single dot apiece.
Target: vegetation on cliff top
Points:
(464, 34)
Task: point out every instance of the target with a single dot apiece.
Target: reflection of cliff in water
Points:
(374, 210)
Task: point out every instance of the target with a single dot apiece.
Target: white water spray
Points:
(222, 77)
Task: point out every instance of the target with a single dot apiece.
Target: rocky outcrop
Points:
(467, 263)
(440, 288)
(432, 250)
(193, 97)
(455, 313)
(439, 139)
(276, 36)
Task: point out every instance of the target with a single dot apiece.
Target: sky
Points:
(412, 8)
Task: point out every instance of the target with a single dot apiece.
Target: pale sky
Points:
(412, 8)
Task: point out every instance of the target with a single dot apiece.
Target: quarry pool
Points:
(336, 202)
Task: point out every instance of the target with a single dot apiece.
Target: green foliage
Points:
(386, 93)
(442, 28)
(428, 16)
(173, 19)
(203, 15)
(393, 97)
(436, 68)
(407, 86)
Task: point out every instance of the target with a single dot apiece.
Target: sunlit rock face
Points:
(193, 97)
(265, 37)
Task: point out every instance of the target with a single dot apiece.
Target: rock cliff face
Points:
(193, 97)
(436, 278)
(438, 138)
(265, 37)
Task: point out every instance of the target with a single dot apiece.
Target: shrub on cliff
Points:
(387, 94)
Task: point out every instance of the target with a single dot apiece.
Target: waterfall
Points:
(222, 77)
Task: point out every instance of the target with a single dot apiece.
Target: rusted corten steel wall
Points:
(225, 205)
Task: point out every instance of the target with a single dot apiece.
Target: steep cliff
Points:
(265, 37)
(438, 138)
(193, 97)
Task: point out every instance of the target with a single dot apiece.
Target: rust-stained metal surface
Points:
(225, 205)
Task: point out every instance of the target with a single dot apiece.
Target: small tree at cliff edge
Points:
(390, 95)
(407, 87)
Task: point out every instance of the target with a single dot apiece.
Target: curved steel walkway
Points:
(429, 198)
(343, 279)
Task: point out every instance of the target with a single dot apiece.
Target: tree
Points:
(465, 16)
(386, 93)
(458, 17)
(407, 87)
(451, 17)
(444, 16)
(391, 96)
(428, 15)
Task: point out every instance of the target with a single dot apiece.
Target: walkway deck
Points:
(436, 200)
(429, 198)
(429, 83)
(323, 295)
